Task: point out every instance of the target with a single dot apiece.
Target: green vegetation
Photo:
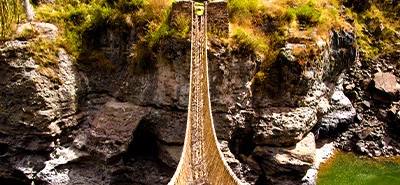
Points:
(248, 42)
(9, 11)
(263, 27)
(245, 38)
(27, 34)
(77, 19)
(307, 14)
(159, 31)
(268, 22)
(81, 20)
(257, 26)
(242, 11)
(45, 55)
(346, 168)
(377, 28)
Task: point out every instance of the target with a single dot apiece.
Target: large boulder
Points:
(284, 126)
(167, 126)
(112, 131)
(279, 164)
(340, 114)
(385, 87)
(43, 30)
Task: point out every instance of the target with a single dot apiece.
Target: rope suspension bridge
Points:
(201, 162)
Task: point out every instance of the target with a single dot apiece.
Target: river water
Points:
(348, 169)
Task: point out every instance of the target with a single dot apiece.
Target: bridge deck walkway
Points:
(202, 161)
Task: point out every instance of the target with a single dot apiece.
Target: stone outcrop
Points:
(44, 30)
(300, 95)
(340, 114)
(283, 165)
(385, 87)
(114, 121)
(284, 126)
(35, 111)
(111, 131)
(31, 100)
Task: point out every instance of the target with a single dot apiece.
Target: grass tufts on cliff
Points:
(377, 27)
(45, 54)
(241, 11)
(306, 14)
(248, 42)
(271, 22)
(264, 27)
(80, 20)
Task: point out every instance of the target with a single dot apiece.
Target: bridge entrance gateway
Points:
(201, 162)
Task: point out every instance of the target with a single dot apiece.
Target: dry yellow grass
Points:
(282, 12)
(273, 23)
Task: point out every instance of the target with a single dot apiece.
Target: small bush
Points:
(247, 42)
(45, 55)
(242, 11)
(157, 33)
(44, 52)
(77, 16)
(127, 6)
(307, 14)
(27, 34)
(182, 25)
(290, 15)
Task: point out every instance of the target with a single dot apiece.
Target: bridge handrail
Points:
(217, 170)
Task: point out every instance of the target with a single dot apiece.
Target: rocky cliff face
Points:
(301, 94)
(125, 125)
(120, 121)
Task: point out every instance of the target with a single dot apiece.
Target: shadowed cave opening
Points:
(142, 165)
(144, 143)
(15, 178)
(242, 142)
(7, 181)
(3, 149)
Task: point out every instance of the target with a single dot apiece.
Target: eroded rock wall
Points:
(125, 125)
(298, 97)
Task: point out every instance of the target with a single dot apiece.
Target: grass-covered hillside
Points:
(264, 26)
(259, 26)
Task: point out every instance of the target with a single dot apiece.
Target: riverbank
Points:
(324, 150)
(349, 168)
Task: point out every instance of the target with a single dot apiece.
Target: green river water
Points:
(349, 169)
